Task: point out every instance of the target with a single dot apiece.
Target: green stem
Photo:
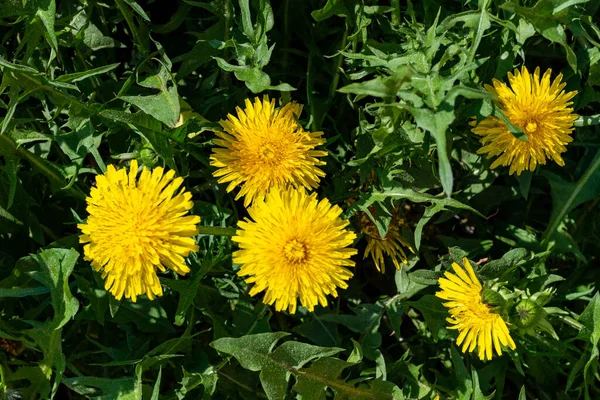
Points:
(338, 65)
(567, 206)
(216, 231)
(587, 120)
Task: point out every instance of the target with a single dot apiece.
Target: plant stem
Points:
(216, 230)
(338, 65)
(567, 207)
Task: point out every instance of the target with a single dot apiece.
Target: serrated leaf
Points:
(255, 352)
(115, 388)
(163, 106)
(56, 267)
(312, 383)
(191, 380)
(79, 76)
(508, 262)
(46, 10)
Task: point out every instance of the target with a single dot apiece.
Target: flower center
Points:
(268, 152)
(295, 251)
(272, 154)
(531, 126)
(137, 230)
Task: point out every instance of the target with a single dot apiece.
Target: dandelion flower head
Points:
(392, 245)
(264, 147)
(295, 247)
(541, 109)
(478, 325)
(137, 225)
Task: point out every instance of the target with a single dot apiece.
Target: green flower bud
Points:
(528, 313)
(148, 156)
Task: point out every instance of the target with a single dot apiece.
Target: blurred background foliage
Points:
(393, 85)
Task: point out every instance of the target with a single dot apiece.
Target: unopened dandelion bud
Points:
(148, 156)
(528, 313)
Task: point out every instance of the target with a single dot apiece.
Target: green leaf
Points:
(149, 316)
(11, 168)
(90, 35)
(255, 352)
(331, 8)
(191, 380)
(167, 348)
(477, 393)
(163, 106)
(46, 10)
(522, 393)
(547, 17)
(383, 87)
(147, 127)
(56, 267)
(509, 262)
(463, 378)
(430, 212)
(247, 26)
(525, 183)
(512, 128)
(79, 76)
(188, 289)
(312, 383)
(23, 292)
(590, 319)
(409, 194)
(138, 9)
(156, 389)
(424, 277)
(366, 321)
(437, 122)
(115, 388)
(434, 312)
(256, 80)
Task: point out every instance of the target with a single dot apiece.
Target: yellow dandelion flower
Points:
(295, 247)
(477, 324)
(392, 244)
(537, 106)
(136, 226)
(264, 147)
